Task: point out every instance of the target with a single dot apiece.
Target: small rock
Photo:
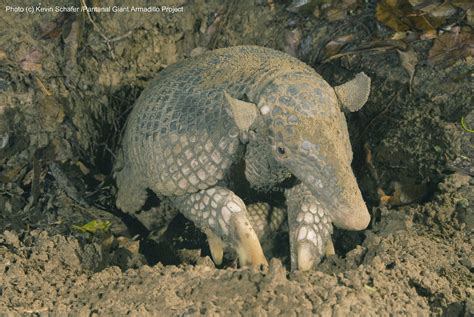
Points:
(276, 271)
(206, 262)
(11, 238)
(197, 51)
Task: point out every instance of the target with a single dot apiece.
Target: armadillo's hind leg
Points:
(266, 220)
(310, 228)
(130, 196)
(223, 217)
(157, 219)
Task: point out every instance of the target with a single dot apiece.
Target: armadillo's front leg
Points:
(310, 228)
(222, 214)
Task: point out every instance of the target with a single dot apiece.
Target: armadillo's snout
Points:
(351, 212)
(346, 208)
(335, 185)
(349, 209)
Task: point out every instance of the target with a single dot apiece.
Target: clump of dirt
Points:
(68, 81)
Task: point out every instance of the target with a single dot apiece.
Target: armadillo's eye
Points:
(281, 152)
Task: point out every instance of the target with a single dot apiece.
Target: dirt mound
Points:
(401, 268)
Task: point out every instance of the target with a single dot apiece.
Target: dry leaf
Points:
(406, 193)
(32, 61)
(407, 36)
(10, 173)
(53, 29)
(434, 8)
(401, 16)
(470, 16)
(390, 14)
(463, 4)
(409, 61)
(52, 112)
(452, 46)
(301, 6)
(429, 35)
(335, 46)
(100, 177)
(335, 14)
(60, 150)
(397, 36)
(292, 41)
(336, 10)
(84, 169)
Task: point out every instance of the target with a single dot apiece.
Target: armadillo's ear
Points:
(244, 113)
(354, 94)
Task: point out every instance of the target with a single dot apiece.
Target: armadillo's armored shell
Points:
(179, 136)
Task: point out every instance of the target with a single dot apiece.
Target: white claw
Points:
(302, 233)
(312, 236)
(305, 257)
(216, 246)
(330, 248)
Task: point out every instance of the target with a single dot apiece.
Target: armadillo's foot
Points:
(310, 229)
(220, 211)
(265, 219)
(130, 197)
(309, 236)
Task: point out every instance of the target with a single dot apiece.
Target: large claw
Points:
(330, 248)
(216, 246)
(248, 246)
(223, 217)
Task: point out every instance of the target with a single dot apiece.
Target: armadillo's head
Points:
(308, 135)
(317, 151)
